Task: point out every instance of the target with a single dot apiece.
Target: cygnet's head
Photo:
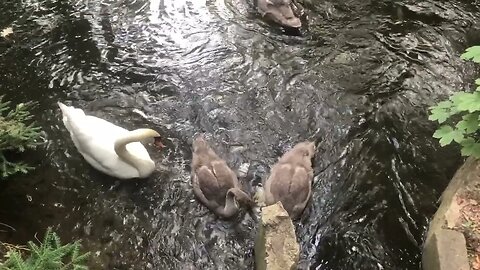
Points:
(306, 148)
(240, 198)
(199, 143)
(280, 12)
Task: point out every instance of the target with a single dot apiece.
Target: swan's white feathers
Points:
(94, 138)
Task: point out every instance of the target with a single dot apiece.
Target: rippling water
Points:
(358, 81)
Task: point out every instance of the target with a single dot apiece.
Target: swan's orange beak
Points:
(158, 143)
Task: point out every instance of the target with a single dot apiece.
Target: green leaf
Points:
(442, 111)
(470, 148)
(458, 97)
(477, 81)
(470, 123)
(438, 114)
(466, 101)
(447, 134)
(447, 104)
(472, 53)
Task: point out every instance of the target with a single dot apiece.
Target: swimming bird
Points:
(283, 12)
(214, 183)
(290, 180)
(109, 148)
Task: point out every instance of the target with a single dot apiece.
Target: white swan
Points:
(110, 149)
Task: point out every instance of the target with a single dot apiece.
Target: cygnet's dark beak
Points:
(158, 143)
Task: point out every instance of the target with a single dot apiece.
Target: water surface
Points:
(358, 82)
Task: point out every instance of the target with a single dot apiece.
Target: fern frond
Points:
(80, 267)
(14, 262)
(17, 133)
(50, 254)
(36, 250)
(81, 259)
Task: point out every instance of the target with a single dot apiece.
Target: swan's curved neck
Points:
(143, 166)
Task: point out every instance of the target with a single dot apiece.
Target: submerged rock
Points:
(276, 246)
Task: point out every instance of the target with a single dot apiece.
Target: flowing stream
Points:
(357, 81)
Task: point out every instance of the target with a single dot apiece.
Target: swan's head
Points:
(148, 133)
(280, 12)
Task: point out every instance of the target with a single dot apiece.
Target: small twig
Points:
(8, 226)
(36, 238)
(14, 247)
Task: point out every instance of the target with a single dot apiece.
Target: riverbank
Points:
(453, 239)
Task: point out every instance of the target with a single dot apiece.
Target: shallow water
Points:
(358, 81)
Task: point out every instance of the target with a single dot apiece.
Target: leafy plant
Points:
(463, 107)
(49, 255)
(16, 135)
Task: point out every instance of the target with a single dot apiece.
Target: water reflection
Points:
(358, 82)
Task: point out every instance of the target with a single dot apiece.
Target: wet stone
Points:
(445, 250)
(276, 246)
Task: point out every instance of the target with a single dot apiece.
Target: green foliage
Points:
(49, 255)
(472, 53)
(447, 134)
(16, 135)
(465, 108)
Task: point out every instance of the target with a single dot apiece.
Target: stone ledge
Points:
(445, 247)
(445, 250)
(276, 246)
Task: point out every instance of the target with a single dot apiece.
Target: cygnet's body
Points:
(214, 183)
(290, 180)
